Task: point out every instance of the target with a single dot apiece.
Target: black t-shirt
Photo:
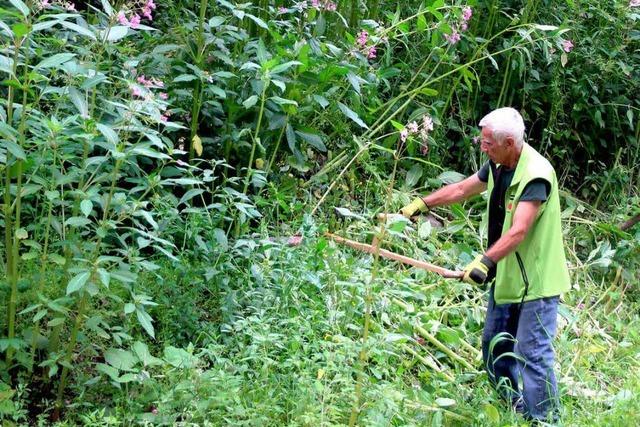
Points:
(537, 189)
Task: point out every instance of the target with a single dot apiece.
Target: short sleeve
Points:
(536, 190)
(483, 173)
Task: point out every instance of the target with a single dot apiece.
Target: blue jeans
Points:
(517, 343)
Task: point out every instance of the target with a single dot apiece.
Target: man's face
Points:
(496, 151)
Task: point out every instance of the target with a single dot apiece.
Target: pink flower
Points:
(122, 19)
(146, 12)
(372, 52)
(634, 3)
(157, 83)
(294, 240)
(71, 7)
(135, 91)
(404, 133)
(412, 127)
(135, 21)
(567, 45)
(164, 118)
(163, 95)
(464, 26)
(150, 4)
(44, 4)
(315, 4)
(282, 9)
(453, 38)
(427, 123)
(362, 38)
(466, 13)
(331, 6)
(142, 80)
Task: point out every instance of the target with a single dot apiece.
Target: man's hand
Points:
(477, 270)
(416, 206)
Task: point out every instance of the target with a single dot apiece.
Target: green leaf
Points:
(545, 27)
(283, 67)
(20, 29)
(109, 134)
(19, 4)
(108, 370)
(313, 139)
(190, 195)
(185, 78)
(120, 359)
(450, 177)
(413, 175)
(106, 6)
(445, 402)
(145, 321)
(78, 29)
(216, 21)
(142, 352)
(291, 142)
(55, 322)
(250, 102)
(80, 102)
(86, 206)
(21, 234)
(117, 32)
(14, 149)
(77, 221)
(352, 115)
(78, 282)
(129, 308)
(491, 412)
(178, 357)
(259, 22)
(57, 259)
(55, 60)
(221, 238)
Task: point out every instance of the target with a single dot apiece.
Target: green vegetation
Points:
(169, 172)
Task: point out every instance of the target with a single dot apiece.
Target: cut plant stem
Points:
(433, 340)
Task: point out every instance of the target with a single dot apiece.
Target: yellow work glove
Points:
(413, 208)
(477, 270)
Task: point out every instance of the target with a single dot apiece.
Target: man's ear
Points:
(509, 141)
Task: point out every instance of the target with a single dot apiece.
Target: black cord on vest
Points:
(524, 277)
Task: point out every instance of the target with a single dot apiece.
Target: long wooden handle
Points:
(449, 274)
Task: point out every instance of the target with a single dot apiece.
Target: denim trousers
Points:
(517, 344)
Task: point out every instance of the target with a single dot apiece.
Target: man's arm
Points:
(523, 218)
(457, 192)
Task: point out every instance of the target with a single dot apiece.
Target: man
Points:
(524, 263)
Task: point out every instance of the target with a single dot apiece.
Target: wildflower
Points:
(142, 80)
(154, 411)
(412, 127)
(427, 123)
(475, 140)
(331, 6)
(44, 4)
(372, 52)
(567, 45)
(362, 38)
(294, 240)
(634, 3)
(70, 7)
(163, 95)
(135, 21)
(466, 13)
(135, 91)
(164, 118)
(453, 38)
(156, 83)
(282, 9)
(315, 4)
(404, 133)
(122, 19)
(464, 26)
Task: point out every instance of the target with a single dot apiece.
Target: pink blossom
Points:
(412, 127)
(466, 13)
(135, 91)
(331, 6)
(567, 45)
(372, 52)
(362, 38)
(135, 21)
(142, 80)
(155, 82)
(150, 4)
(146, 12)
(71, 7)
(427, 123)
(404, 133)
(164, 118)
(44, 3)
(122, 19)
(294, 240)
(634, 3)
(163, 95)
(453, 38)
(282, 9)
(464, 26)
(315, 4)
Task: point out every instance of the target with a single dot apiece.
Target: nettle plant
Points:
(82, 152)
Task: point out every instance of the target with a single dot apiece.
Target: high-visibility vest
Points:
(539, 259)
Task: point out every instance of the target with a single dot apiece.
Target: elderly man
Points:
(524, 263)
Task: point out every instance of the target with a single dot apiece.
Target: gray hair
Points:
(504, 122)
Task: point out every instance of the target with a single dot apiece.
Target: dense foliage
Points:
(169, 171)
